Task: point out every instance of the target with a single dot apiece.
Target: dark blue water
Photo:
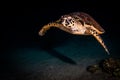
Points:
(57, 55)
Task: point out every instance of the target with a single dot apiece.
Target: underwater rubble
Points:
(110, 66)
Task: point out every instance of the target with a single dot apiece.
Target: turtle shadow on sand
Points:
(48, 43)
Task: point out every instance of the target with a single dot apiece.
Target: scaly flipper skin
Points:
(99, 39)
(77, 23)
(48, 26)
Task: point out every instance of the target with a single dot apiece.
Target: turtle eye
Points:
(70, 20)
(67, 22)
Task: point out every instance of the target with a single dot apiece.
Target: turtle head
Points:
(67, 20)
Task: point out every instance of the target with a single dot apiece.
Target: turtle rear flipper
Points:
(99, 39)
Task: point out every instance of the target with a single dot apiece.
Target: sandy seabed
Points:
(55, 70)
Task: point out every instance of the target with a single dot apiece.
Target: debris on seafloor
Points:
(111, 66)
(93, 68)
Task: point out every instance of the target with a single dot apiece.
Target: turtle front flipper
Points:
(48, 26)
(99, 39)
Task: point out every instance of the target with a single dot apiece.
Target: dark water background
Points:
(58, 55)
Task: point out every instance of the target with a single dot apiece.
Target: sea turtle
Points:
(78, 23)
